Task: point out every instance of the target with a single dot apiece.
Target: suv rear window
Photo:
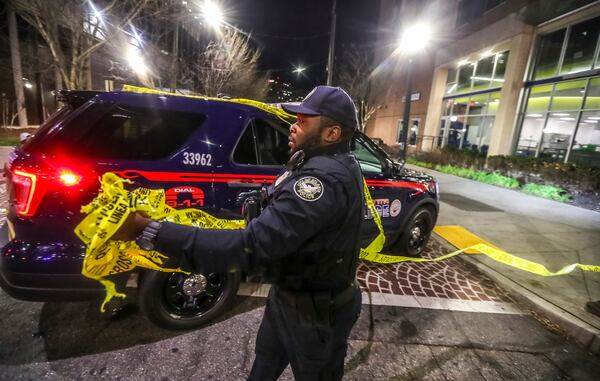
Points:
(109, 131)
(52, 122)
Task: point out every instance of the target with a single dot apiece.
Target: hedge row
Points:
(494, 178)
(525, 170)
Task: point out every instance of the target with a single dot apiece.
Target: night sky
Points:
(294, 33)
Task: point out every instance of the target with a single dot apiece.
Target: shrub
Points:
(525, 169)
(484, 177)
(546, 191)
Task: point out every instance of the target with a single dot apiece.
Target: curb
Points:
(585, 334)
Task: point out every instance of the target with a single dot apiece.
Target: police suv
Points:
(203, 153)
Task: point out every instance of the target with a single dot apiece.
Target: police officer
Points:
(307, 237)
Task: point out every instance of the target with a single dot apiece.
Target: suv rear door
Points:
(257, 158)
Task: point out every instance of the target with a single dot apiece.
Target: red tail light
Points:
(24, 188)
(69, 178)
(30, 182)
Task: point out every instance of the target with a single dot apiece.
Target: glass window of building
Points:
(448, 106)
(558, 125)
(501, 59)
(586, 146)
(531, 129)
(493, 103)
(581, 46)
(483, 73)
(548, 54)
(557, 136)
(459, 106)
(477, 135)
(539, 99)
(568, 95)
(464, 77)
(470, 122)
(592, 100)
(451, 82)
(478, 104)
(486, 73)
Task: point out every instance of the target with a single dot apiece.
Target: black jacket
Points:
(308, 235)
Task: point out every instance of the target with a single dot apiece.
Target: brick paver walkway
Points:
(451, 278)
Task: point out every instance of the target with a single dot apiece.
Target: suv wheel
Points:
(180, 301)
(416, 233)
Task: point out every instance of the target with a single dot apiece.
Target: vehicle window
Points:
(367, 157)
(135, 133)
(245, 150)
(272, 142)
(60, 115)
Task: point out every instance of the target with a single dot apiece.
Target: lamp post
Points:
(414, 39)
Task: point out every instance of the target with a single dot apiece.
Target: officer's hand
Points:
(243, 196)
(132, 227)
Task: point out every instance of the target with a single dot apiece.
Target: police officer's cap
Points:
(329, 101)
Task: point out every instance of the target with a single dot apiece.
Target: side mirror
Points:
(397, 167)
(23, 136)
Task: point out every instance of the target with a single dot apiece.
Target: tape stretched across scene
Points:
(107, 212)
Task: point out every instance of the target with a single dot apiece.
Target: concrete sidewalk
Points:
(547, 232)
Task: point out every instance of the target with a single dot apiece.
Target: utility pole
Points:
(15, 55)
(331, 46)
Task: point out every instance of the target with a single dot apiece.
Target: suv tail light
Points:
(69, 178)
(28, 184)
(23, 187)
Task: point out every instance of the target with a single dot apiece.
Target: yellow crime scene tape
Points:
(279, 112)
(107, 212)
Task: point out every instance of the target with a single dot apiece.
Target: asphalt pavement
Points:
(66, 341)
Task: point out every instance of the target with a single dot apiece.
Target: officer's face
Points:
(305, 134)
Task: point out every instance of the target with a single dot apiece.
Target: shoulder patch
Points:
(309, 188)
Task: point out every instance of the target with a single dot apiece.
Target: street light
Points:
(298, 70)
(136, 61)
(212, 14)
(414, 40)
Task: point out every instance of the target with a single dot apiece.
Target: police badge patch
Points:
(309, 188)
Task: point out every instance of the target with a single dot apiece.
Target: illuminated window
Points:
(548, 54)
(581, 47)
(559, 125)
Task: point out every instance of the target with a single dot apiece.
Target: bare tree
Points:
(228, 66)
(355, 75)
(72, 31)
(15, 54)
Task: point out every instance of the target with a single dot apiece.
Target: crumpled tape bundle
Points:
(107, 212)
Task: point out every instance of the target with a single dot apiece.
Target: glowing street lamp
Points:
(414, 40)
(299, 70)
(213, 15)
(136, 61)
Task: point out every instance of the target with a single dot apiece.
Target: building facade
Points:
(514, 77)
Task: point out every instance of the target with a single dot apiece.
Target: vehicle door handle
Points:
(240, 184)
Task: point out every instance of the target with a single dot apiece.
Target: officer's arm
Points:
(283, 227)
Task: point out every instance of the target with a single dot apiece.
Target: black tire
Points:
(162, 299)
(416, 233)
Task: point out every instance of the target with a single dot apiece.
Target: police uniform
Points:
(308, 239)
